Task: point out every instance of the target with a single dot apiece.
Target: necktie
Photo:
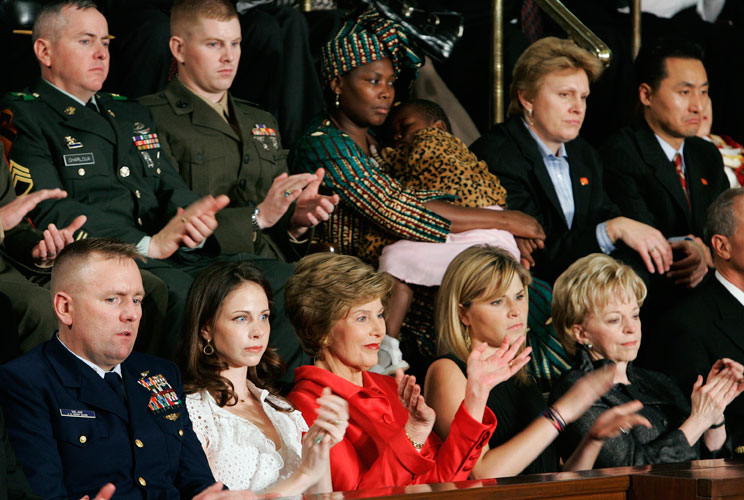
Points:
(91, 106)
(678, 168)
(529, 17)
(114, 381)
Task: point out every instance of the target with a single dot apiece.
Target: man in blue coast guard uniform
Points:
(83, 410)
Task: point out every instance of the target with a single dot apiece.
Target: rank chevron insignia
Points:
(21, 178)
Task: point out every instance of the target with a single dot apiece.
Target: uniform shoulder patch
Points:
(115, 97)
(22, 96)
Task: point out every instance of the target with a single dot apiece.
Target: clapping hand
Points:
(312, 208)
(618, 420)
(189, 227)
(488, 366)
(420, 416)
(54, 241)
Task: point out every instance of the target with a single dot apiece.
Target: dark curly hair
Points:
(206, 296)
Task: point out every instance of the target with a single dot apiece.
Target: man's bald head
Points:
(53, 18)
(186, 13)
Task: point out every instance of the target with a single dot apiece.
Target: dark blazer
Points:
(73, 433)
(512, 154)
(698, 331)
(644, 184)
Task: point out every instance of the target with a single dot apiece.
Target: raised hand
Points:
(12, 213)
(618, 420)
(284, 190)
(584, 392)
(188, 227)
(420, 416)
(54, 240)
(709, 400)
(487, 367)
(332, 415)
(312, 208)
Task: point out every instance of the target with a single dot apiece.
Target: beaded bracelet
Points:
(555, 418)
(418, 446)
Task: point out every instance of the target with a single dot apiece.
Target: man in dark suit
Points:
(658, 171)
(707, 325)
(83, 410)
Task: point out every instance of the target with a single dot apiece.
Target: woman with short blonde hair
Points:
(596, 311)
(483, 303)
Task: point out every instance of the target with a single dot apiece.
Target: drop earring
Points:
(208, 349)
(338, 100)
(530, 117)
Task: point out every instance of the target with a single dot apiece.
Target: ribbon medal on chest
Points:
(146, 141)
(265, 136)
(164, 401)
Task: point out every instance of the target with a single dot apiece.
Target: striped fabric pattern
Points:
(369, 197)
(364, 38)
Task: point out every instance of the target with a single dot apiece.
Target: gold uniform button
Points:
(141, 481)
(158, 170)
(180, 432)
(81, 172)
(124, 171)
(83, 439)
(139, 220)
(138, 443)
(138, 194)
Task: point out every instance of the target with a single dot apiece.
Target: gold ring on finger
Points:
(318, 439)
(183, 219)
(287, 193)
(653, 249)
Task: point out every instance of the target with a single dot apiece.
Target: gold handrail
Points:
(497, 70)
(576, 30)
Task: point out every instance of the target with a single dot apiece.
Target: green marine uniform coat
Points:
(215, 158)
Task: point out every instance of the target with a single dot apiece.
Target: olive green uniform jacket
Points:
(32, 304)
(213, 157)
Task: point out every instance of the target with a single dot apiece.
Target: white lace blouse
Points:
(240, 456)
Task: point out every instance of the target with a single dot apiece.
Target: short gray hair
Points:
(721, 218)
(50, 19)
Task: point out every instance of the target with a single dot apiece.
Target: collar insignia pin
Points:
(70, 110)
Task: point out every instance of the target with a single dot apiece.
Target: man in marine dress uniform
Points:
(225, 145)
(83, 410)
(105, 151)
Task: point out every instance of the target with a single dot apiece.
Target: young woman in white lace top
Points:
(251, 436)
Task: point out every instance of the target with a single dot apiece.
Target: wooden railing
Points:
(702, 479)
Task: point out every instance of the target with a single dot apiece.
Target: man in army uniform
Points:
(106, 153)
(25, 248)
(225, 145)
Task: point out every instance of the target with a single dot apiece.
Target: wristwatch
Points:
(254, 220)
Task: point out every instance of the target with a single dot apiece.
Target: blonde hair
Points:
(481, 272)
(543, 57)
(587, 286)
(323, 289)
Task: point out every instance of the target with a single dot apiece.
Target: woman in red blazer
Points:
(335, 303)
